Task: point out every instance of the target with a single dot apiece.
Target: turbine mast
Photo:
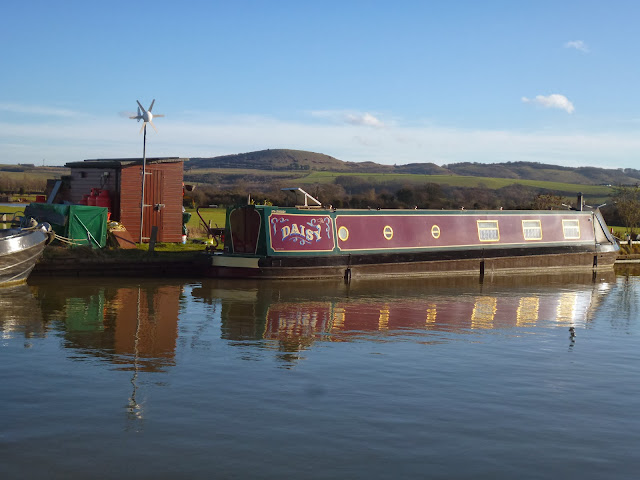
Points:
(146, 116)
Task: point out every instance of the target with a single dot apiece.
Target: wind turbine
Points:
(146, 116)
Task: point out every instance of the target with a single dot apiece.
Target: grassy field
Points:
(215, 215)
(40, 175)
(244, 171)
(324, 177)
(460, 181)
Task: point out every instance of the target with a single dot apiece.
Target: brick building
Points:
(122, 178)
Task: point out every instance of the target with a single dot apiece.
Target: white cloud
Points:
(209, 134)
(552, 101)
(578, 45)
(37, 110)
(365, 119)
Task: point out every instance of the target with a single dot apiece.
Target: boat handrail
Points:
(307, 197)
(16, 218)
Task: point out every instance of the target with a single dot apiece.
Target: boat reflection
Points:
(133, 326)
(20, 314)
(297, 314)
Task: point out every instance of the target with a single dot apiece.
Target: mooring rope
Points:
(69, 241)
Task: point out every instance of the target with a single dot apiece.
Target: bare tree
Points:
(627, 200)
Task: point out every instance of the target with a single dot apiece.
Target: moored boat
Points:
(305, 242)
(20, 249)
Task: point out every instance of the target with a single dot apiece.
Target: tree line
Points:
(355, 192)
(16, 184)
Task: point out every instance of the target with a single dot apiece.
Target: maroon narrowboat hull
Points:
(268, 242)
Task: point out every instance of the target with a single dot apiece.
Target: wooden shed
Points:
(122, 178)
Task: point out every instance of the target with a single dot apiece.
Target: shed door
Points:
(152, 203)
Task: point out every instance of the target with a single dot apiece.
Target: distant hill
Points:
(540, 171)
(277, 159)
(301, 162)
(292, 160)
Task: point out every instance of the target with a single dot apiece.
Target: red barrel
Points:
(91, 200)
(85, 199)
(104, 200)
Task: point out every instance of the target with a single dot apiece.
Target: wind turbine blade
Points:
(144, 124)
(152, 102)
(154, 127)
(140, 107)
(158, 115)
(134, 117)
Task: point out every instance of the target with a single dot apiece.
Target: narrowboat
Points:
(305, 241)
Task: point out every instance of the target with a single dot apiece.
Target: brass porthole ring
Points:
(435, 231)
(387, 232)
(343, 234)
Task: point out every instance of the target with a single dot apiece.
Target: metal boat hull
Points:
(20, 249)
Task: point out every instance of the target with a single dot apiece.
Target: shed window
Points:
(532, 229)
(488, 231)
(571, 229)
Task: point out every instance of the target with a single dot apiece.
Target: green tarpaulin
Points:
(82, 224)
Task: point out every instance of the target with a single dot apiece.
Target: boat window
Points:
(532, 229)
(488, 231)
(571, 229)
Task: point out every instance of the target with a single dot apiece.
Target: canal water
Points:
(137, 378)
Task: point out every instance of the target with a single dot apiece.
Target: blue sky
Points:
(391, 82)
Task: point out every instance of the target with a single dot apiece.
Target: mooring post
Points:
(347, 276)
(152, 239)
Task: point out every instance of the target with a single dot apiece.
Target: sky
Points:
(392, 82)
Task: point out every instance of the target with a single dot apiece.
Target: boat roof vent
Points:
(307, 197)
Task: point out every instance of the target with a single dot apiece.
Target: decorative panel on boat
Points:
(301, 233)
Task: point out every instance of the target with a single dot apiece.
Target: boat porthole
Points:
(343, 234)
(387, 232)
(435, 231)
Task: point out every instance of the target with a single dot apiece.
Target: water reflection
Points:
(20, 314)
(134, 326)
(392, 363)
(297, 314)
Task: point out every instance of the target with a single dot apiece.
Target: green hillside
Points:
(457, 181)
(301, 162)
(539, 171)
(270, 170)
